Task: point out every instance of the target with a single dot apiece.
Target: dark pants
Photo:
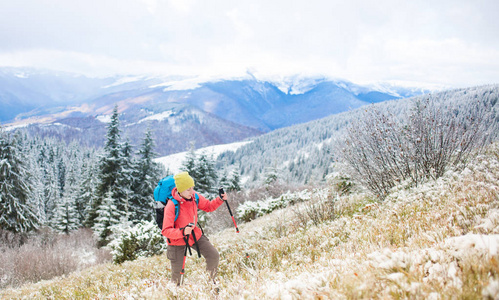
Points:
(176, 256)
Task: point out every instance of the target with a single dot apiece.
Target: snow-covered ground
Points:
(174, 162)
(439, 240)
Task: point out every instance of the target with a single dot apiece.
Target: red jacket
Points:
(188, 213)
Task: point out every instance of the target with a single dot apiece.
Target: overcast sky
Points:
(450, 42)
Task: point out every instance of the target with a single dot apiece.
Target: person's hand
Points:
(223, 196)
(188, 229)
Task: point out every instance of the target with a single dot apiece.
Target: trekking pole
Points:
(185, 256)
(221, 192)
(186, 239)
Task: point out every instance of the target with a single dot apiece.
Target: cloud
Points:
(451, 42)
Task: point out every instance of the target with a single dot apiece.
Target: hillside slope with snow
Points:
(173, 162)
(306, 152)
(439, 240)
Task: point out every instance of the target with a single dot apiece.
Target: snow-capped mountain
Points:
(207, 110)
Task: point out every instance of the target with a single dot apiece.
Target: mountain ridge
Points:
(237, 108)
(42, 91)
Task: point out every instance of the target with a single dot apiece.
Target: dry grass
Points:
(435, 242)
(47, 254)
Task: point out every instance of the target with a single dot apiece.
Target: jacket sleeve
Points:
(168, 223)
(207, 205)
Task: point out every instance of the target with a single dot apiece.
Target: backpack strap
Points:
(197, 202)
(177, 208)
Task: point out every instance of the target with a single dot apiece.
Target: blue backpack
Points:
(163, 194)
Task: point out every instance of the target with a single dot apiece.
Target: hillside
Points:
(437, 241)
(173, 129)
(304, 153)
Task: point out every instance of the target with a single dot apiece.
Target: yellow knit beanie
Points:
(183, 181)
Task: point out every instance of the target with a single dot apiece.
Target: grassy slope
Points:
(434, 241)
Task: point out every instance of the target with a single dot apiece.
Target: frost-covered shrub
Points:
(316, 211)
(141, 240)
(383, 150)
(251, 210)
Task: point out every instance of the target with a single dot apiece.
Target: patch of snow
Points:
(61, 125)
(174, 162)
(304, 285)
(491, 291)
(123, 80)
(296, 85)
(13, 127)
(21, 75)
(184, 84)
(173, 125)
(104, 118)
(157, 117)
(480, 242)
(489, 224)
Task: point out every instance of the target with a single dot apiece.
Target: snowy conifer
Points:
(234, 181)
(126, 180)
(109, 168)
(107, 216)
(50, 182)
(147, 176)
(86, 188)
(224, 180)
(37, 183)
(205, 175)
(66, 216)
(16, 212)
(189, 165)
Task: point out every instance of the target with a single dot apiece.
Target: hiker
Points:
(185, 227)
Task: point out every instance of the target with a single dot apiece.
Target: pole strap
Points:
(187, 247)
(196, 243)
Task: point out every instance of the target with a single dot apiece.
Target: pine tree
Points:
(61, 176)
(16, 213)
(66, 216)
(205, 175)
(189, 164)
(271, 176)
(107, 216)
(51, 190)
(109, 168)
(148, 173)
(86, 189)
(235, 181)
(224, 180)
(37, 182)
(126, 181)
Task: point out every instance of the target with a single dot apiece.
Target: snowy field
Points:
(174, 162)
